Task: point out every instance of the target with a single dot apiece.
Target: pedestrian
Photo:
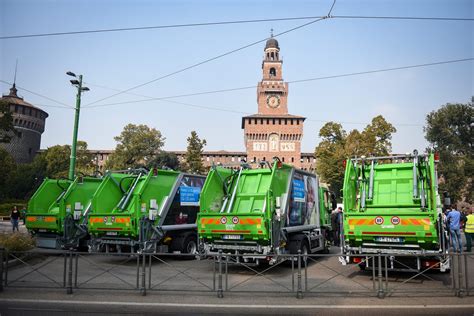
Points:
(15, 218)
(469, 230)
(454, 220)
(334, 226)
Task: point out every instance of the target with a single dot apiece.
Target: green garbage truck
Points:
(392, 207)
(151, 211)
(258, 214)
(55, 213)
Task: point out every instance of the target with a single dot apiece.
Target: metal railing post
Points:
(69, 274)
(299, 291)
(149, 272)
(138, 270)
(460, 275)
(1, 269)
(380, 293)
(466, 274)
(143, 275)
(65, 269)
(7, 255)
(220, 292)
(77, 268)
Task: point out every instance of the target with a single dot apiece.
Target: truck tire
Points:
(299, 242)
(190, 244)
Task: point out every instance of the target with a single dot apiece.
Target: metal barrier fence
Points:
(299, 275)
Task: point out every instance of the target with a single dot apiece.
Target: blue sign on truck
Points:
(189, 196)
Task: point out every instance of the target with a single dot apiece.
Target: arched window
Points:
(272, 72)
(273, 56)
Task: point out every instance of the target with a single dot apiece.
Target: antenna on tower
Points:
(16, 67)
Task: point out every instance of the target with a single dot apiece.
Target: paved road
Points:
(74, 307)
(107, 285)
(6, 227)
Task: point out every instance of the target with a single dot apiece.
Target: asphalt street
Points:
(107, 285)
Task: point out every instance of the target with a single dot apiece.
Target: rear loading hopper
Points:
(55, 213)
(147, 211)
(258, 214)
(392, 206)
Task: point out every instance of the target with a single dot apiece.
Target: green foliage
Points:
(193, 155)
(16, 241)
(7, 206)
(7, 130)
(450, 133)
(338, 145)
(164, 159)
(7, 168)
(136, 145)
(57, 160)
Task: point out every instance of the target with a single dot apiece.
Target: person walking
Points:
(454, 220)
(15, 218)
(469, 230)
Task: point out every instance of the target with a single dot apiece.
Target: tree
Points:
(164, 159)
(7, 168)
(57, 160)
(450, 133)
(338, 145)
(136, 145)
(7, 130)
(193, 154)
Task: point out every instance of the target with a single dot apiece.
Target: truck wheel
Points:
(189, 244)
(300, 243)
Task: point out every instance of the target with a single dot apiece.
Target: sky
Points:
(121, 60)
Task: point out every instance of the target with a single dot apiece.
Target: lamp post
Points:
(80, 89)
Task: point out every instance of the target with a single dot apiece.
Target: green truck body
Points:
(146, 211)
(263, 212)
(55, 211)
(392, 206)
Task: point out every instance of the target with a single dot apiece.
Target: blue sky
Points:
(121, 60)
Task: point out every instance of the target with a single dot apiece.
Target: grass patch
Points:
(16, 241)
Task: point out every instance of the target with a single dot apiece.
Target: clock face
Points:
(273, 101)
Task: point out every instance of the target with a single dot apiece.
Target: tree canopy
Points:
(338, 145)
(450, 131)
(7, 130)
(193, 155)
(136, 144)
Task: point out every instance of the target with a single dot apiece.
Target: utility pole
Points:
(80, 89)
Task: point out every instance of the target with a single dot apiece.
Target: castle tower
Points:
(29, 121)
(272, 132)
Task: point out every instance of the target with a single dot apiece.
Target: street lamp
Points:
(80, 89)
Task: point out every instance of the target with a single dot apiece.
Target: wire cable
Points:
(141, 28)
(205, 61)
(64, 105)
(292, 81)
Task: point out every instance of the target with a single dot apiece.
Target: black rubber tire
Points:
(190, 245)
(299, 243)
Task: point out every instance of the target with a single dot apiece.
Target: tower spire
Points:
(13, 90)
(16, 67)
(271, 32)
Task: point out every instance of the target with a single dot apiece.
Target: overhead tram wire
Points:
(154, 27)
(63, 105)
(207, 61)
(292, 81)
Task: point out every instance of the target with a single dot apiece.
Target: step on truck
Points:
(55, 213)
(146, 211)
(392, 207)
(258, 214)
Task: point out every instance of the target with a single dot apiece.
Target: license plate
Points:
(389, 239)
(111, 233)
(42, 230)
(232, 237)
